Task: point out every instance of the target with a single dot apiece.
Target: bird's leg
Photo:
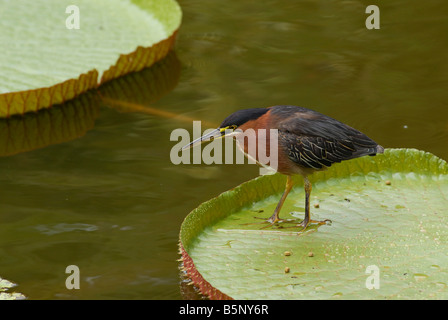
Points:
(307, 220)
(275, 216)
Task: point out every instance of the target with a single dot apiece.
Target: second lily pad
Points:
(54, 50)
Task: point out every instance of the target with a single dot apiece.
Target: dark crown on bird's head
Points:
(240, 117)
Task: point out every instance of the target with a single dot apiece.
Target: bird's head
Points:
(230, 124)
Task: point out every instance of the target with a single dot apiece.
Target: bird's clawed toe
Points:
(322, 222)
(305, 222)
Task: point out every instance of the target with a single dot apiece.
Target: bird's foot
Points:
(272, 221)
(277, 222)
(305, 223)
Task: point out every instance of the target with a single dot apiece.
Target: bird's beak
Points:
(217, 133)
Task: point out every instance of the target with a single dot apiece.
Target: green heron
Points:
(308, 141)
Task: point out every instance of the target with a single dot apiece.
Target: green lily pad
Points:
(389, 214)
(44, 62)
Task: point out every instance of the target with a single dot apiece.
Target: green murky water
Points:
(93, 186)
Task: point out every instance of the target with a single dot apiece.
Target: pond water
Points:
(91, 184)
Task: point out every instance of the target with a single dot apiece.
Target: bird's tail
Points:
(373, 151)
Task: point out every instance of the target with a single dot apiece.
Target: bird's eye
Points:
(233, 127)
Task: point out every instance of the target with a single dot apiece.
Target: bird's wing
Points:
(314, 140)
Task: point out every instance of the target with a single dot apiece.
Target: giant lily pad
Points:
(44, 62)
(388, 239)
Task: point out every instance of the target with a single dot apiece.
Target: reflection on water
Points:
(143, 88)
(112, 203)
(65, 227)
(58, 124)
